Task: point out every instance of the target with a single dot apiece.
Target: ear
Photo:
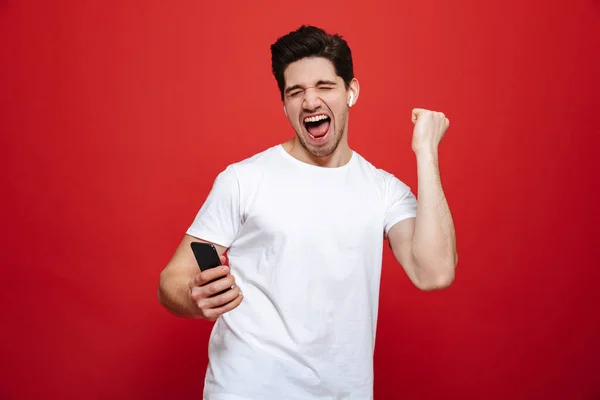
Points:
(353, 90)
(285, 111)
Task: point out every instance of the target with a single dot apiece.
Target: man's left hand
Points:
(430, 127)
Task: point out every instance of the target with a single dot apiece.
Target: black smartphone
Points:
(207, 257)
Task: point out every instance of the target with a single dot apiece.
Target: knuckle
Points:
(215, 287)
(209, 315)
(195, 280)
(196, 296)
(200, 280)
(201, 304)
(214, 315)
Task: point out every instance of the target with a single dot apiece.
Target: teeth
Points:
(316, 118)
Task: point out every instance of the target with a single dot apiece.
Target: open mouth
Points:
(317, 126)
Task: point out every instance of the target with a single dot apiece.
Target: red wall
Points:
(116, 116)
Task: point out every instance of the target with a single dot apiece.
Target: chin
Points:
(323, 148)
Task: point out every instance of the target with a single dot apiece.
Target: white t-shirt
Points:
(305, 247)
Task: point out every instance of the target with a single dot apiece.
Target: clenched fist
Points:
(429, 130)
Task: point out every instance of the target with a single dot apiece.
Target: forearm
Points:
(434, 242)
(175, 295)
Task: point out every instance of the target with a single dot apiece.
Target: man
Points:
(303, 224)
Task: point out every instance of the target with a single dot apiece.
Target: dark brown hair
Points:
(310, 41)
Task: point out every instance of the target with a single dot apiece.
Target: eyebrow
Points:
(321, 82)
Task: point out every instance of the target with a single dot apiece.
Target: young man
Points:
(303, 223)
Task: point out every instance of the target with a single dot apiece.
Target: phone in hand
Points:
(207, 257)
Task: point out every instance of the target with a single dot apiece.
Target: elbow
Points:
(160, 291)
(438, 278)
(439, 282)
(160, 296)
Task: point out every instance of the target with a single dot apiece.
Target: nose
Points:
(312, 101)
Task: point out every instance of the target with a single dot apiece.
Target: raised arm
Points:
(425, 246)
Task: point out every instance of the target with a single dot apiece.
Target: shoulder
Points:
(244, 176)
(253, 166)
(382, 177)
(389, 186)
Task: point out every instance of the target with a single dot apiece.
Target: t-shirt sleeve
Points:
(219, 219)
(400, 202)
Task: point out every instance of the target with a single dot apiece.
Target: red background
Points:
(116, 116)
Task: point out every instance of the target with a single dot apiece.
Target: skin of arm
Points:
(425, 246)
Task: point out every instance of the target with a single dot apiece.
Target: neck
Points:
(340, 156)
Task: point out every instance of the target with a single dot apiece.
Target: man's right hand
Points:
(209, 305)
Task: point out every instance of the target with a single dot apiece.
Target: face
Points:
(316, 103)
